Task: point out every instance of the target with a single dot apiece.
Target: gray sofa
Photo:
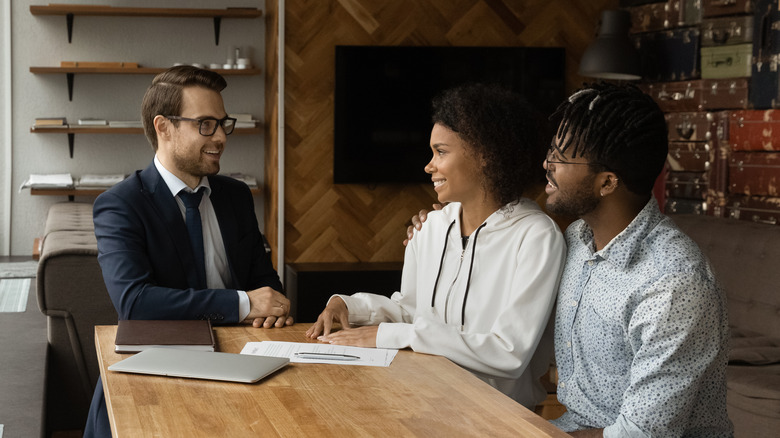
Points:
(746, 259)
(72, 295)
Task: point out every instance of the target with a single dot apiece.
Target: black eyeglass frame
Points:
(220, 122)
(552, 150)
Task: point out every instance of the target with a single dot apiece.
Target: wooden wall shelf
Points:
(133, 71)
(70, 72)
(71, 132)
(70, 11)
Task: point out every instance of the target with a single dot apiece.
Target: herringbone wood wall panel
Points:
(336, 223)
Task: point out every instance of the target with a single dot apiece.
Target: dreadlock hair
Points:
(619, 129)
(502, 130)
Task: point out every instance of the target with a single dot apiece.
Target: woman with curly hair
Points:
(479, 281)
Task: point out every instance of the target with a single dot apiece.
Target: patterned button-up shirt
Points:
(641, 334)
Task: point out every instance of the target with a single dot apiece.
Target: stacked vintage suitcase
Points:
(712, 66)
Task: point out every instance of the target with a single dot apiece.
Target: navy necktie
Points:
(195, 230)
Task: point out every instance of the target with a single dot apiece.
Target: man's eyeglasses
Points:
(552, 160)
(207, 126)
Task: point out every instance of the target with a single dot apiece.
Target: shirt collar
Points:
(175, 185)
(622, 248)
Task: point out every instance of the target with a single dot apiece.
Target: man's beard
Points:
(195, 166)
(574, 203)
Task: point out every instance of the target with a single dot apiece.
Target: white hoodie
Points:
(512, 285)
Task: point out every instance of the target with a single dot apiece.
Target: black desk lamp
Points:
(612, 55)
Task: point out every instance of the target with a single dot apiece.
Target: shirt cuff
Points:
(394, 335)
(243, 305)
(624, 427)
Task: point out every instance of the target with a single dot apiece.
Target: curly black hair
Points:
(503, 130)
(619, 128)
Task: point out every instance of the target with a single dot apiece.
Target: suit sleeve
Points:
(260, 271)
(144, 277)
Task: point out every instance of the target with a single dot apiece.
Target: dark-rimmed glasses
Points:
(551, 158)
(207, 126)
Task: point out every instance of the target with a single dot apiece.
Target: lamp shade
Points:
(612, 55)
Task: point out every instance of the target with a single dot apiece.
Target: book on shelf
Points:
(244, 120)
(93, 122)
(48, 181)
(94, 181)
(250, 124)
(246, 179)
(125, 124)
(133, 336)
(90, 64)
(242, 117)
(50, 122)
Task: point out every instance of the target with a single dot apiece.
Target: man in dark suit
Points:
(176, 240)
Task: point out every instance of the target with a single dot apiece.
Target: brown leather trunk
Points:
(685, 206)
(754, 130)
(699, 95)
(651, 17)
(687, 185)
(720, 94)
(754, 173)
(720, 8)
(689, 156)
(688, 126)
(754, 208)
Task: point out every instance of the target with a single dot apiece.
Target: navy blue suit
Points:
(148, 264)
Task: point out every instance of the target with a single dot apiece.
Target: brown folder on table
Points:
(133, 336)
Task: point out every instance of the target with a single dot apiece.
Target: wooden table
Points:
(417, 395)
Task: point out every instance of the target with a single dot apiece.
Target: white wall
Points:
(5, 134)
(152, 42)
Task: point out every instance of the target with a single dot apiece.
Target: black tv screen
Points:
(382, 101)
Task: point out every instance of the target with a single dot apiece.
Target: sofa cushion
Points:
(755, 389)
(69, 216)
(743, 256)
(752, 348)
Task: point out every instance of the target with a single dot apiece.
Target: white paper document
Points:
(301, 352)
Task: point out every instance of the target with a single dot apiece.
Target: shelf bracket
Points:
(71, 140)
(69, 20)
(217, 22)
(69, 77)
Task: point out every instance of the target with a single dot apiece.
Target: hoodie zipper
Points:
(452, 285)
(473, 243)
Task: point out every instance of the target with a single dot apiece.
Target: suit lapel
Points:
(155, 189)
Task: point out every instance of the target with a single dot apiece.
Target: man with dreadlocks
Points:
(641, 333)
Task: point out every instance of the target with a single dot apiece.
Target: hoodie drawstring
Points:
(471, 267)
(468, 279)
(441, 262)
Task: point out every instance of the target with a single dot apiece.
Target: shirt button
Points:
(590, 262)
(573, 303)
(568, 344)
(561, 384)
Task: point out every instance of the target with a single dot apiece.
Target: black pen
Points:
(325, 356)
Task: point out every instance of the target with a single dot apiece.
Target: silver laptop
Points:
(201, 364)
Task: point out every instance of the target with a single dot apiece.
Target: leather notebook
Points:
(133, 336)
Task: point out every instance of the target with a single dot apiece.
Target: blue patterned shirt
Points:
(641, 334)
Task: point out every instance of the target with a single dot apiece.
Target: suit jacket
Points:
(147, 261)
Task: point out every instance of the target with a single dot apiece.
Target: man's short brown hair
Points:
(164, 95)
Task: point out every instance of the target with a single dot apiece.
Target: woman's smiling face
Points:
(454, 170)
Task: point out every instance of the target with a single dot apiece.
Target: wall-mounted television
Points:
(382, 101)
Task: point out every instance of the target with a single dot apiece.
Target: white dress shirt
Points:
(217, 269)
